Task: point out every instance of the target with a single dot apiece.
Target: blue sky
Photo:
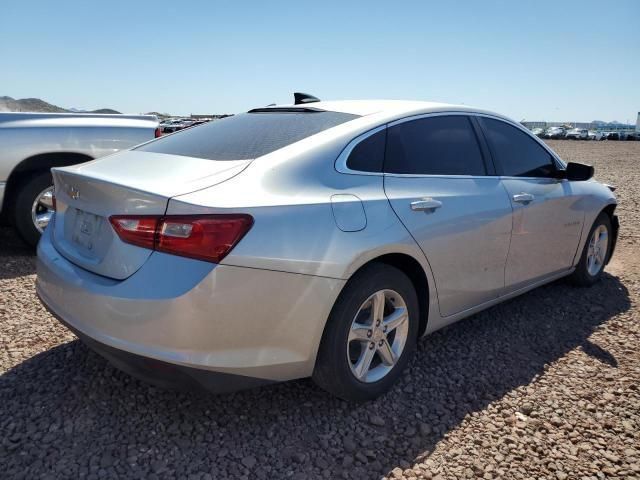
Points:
(553, 60)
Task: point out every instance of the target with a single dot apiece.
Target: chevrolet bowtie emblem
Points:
(74, 193)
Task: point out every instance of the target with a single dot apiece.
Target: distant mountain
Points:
(8, 104)
(106, 110)
(158, 114)
(110, 111)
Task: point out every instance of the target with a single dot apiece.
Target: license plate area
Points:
(86, 230)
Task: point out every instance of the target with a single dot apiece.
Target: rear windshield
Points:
(247, 135)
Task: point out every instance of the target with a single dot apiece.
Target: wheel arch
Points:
(37, 163)
(590, 216)
(416, 273)
(615, 225)
(610, 209)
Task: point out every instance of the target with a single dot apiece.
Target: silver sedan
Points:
(316, 239)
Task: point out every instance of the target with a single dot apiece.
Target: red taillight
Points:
(158, 132)
(204, 237)
(208, 238)
(138, 230)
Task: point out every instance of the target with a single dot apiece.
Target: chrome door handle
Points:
(523, 198)
(425, 204)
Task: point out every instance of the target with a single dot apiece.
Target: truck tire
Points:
(32, 202)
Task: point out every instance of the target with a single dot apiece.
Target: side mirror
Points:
(578, 172)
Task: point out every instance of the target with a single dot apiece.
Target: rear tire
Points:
(28, 192)
(595, 253)
(374, 320)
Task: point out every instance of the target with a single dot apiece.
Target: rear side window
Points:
(368, 155)
(247, 135)
(442, 145)
(518, 154)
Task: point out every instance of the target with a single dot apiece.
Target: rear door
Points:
(440, 183)
(547, 215)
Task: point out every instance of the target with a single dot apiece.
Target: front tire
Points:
(370, 335)
(595, 253)
(33, 207)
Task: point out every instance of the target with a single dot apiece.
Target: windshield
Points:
(247, 135)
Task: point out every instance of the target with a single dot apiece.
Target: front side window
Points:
(247, 135)
(440, 145)
(518, 154)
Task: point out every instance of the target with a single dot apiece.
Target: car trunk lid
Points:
(127, 183)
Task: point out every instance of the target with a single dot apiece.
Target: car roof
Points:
(390, 108)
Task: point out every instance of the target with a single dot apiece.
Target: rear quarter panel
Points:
(295, 229)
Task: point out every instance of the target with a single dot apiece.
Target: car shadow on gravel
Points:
(66, 412)
(16, 257)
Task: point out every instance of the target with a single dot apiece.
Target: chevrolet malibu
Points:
(316, 239)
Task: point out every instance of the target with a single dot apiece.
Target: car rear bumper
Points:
(176, 314)
(164, 374)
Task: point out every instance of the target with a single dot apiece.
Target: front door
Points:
(547, 217)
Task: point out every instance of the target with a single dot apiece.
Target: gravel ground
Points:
(544, 386)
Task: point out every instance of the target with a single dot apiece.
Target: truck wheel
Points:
(33, 207)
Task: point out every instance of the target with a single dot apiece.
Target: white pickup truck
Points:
(32, 143)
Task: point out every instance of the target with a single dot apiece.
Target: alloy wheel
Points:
(597, 251)
(42, 209)
(377, 336)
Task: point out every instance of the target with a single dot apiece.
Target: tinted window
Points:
(368, 155)
(445, 145)
(518, 154)
(247, 135)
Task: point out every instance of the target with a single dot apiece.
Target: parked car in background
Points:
(613, 136)
(199, 122)
(317, 239)
(173, 125)
(32, 143)
(555, 133)
(577, 134)
(595, 135)
(628, 136)
(538, 132)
